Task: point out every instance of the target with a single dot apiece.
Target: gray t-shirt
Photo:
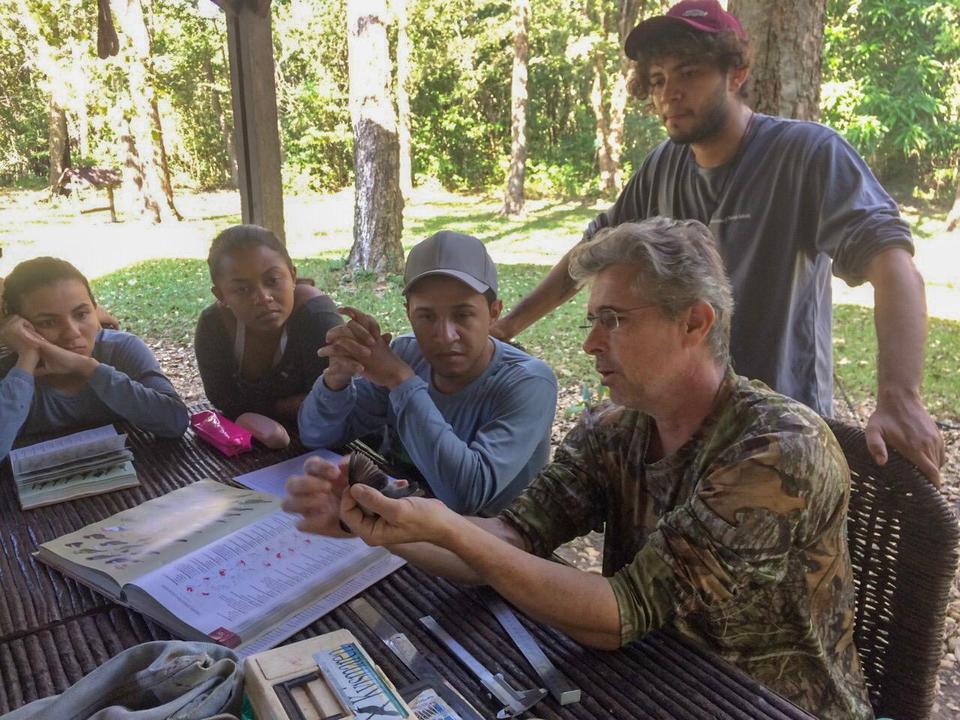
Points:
(127, 385)
(477, 448)
(796, 197)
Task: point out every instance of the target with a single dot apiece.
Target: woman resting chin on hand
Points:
(257, 345)
(66, 371)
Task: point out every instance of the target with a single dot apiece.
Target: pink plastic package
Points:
(226, 436)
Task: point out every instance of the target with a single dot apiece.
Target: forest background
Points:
(158, 113)
(890, 85)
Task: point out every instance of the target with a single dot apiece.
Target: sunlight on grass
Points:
(32, 223)
(154, 278)
(161, 299)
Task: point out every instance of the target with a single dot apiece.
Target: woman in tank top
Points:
(257, 344)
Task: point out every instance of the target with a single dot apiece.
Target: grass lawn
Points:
(160, 298)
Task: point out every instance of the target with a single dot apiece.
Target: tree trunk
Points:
(58, 141)
(134, 176)
(226, 131)
(597, 102)
(83, 129)
(513, 198)
(626, 20)
(46, 58)
(378, 204)
(144, 157)
(161, 149)
(953, 217)
(787, 40)
(403, 98)
(610, 106)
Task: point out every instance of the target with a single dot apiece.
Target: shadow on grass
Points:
(490, 227)
(230, 218)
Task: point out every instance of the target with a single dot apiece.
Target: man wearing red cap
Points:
(787, 201)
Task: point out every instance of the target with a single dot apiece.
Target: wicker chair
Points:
(903, 543)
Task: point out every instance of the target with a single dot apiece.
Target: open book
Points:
(73, 466)
(214, 562)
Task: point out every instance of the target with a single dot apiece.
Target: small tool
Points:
(416, 661)
(515, 701)
(562, 690)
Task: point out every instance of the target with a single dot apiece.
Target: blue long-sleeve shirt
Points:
(128, 384)
(477, 448)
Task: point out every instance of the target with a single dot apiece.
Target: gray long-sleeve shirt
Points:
(796, 203)
(127, 385)
(477, 448)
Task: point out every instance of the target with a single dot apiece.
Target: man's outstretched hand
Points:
(316, 496)
(378, 520)
(902, 422)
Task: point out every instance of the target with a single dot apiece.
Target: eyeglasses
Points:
(609, 318)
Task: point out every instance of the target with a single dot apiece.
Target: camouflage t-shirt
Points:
(737, 540)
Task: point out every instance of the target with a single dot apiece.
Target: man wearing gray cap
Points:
(471, 413)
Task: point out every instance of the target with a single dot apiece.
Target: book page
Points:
(133, 542)
(58, 472)
(273, 479)
(253, 579)
(80, 484)
(65, 449)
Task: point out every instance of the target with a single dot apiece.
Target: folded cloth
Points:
(163, 680)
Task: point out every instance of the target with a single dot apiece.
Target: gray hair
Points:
(679, 266)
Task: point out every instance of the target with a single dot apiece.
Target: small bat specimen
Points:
(362, 470)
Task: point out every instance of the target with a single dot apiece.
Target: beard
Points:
(714, 117)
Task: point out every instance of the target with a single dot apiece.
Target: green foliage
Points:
(23, 119)
(190, 67)
(461, 107)
(312, 94)
(35, 38)
(891, 84)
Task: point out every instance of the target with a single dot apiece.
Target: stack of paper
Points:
(84, 463)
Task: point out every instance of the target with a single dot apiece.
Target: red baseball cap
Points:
(703, 15)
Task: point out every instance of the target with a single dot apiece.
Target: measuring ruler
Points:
(562, 690)
(415, 660)
(515, 702)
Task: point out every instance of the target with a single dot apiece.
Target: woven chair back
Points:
(903, 540)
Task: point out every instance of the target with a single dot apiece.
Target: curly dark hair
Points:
(723, 49)
(38, 272)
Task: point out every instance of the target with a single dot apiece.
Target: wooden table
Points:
(53, 630)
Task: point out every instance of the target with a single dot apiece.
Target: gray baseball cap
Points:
(453, 254)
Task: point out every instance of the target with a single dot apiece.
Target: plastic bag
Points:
(226, 436)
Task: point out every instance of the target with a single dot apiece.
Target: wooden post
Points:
(254, 99)
(113, 206)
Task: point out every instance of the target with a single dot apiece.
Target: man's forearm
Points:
(556, 288)
(440, 561)
(320, 425)
(580, 604)
(900, 315)
(900, 420)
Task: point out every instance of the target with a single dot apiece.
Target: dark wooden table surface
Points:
(53, 630)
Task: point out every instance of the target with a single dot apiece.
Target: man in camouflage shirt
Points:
(723, 503)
